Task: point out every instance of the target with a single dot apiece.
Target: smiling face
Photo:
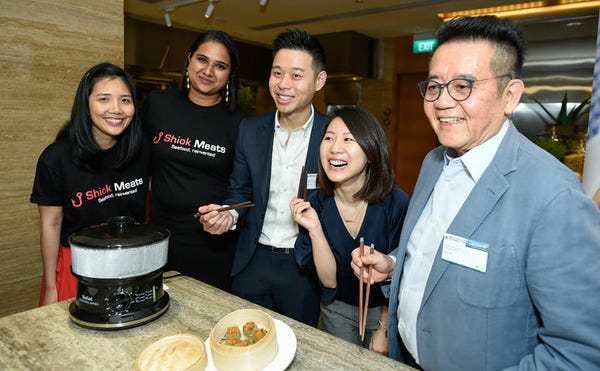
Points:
(293, 83)
(464, 125)
(343, 160)
(208, 71)
(111, 110)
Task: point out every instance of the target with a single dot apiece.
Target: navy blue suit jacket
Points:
(251, 176)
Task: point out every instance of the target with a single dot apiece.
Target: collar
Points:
(305, 128)
(477, 159)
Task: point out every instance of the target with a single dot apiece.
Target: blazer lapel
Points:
(425, 184)
(481, 201)
(264, 150)
(312, 157)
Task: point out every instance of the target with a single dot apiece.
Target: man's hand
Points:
(382, 265)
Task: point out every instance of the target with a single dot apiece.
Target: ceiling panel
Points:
(247, 20)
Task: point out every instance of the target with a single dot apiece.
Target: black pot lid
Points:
(119, 232)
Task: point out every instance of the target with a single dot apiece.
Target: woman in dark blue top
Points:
(357, 199)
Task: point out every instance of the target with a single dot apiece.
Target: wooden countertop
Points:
(46, 339)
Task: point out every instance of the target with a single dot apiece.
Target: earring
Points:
(187, 81)
(227, 92)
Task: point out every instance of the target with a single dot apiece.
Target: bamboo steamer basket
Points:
(182, 352)
(252, 357)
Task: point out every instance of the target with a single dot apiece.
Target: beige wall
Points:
(45, 47)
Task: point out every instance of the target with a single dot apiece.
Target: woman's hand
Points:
(304, 214)
(379, 341)
(50, 295)
(215, 222)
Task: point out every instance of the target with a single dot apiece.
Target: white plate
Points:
(286, 343)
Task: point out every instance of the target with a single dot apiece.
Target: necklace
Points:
(352, 222)
(358, 211)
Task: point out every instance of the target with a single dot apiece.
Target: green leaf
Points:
(564, 117)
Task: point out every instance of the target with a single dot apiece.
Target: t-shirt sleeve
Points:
(47, 184)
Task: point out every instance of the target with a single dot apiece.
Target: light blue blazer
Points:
(537, 307)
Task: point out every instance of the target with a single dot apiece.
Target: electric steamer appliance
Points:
(119, 268)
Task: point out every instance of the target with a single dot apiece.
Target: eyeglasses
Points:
(459, 89)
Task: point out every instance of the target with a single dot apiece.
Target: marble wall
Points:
(45, 47)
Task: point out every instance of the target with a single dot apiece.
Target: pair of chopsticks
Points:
(303, 184)
(363, 308)
(241, 205)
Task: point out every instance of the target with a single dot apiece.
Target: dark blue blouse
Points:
(381, 226)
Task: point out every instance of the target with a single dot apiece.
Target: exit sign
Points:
(424, 46)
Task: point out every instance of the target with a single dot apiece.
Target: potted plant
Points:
(564, 121)
(561, 128)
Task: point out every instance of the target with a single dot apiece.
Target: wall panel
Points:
(45, 48)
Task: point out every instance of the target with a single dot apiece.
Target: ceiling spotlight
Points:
(262, 2)
(168, 19)
(209, 9)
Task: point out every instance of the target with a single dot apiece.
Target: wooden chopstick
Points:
(366, 307)
(360, 290)
(302, 184)
(241, 205)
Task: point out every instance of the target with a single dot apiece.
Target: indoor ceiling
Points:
(247, 20)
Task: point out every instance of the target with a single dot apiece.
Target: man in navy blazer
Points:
(271, 152)
(499, 258)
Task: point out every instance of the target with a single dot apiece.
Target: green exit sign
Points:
(424, 46)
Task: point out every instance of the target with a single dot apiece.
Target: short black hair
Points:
(369, 135)
(224, 39)
(78, 129)
(296, 39)
(506, 34)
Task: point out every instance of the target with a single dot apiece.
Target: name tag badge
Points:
(468, 253)
(311, 181)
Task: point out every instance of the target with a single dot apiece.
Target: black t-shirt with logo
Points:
(192, 155)
(90, 197)
(191, 160)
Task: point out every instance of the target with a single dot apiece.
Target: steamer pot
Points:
(119, 267)
(120, 248)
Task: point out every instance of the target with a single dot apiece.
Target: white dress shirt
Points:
(289, 155)
(454, 185)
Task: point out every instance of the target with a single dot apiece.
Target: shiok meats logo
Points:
(170, 138)
(186, 144)
(107, 191)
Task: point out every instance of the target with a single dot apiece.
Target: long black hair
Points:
(78, 129)
(224, 39)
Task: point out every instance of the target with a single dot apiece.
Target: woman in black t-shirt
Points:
(194, 130)
(95, 169)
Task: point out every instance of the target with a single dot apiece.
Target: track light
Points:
(262, 2)
(168, 9)
(209, 9)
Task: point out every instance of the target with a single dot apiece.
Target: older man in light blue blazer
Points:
(498, 265)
